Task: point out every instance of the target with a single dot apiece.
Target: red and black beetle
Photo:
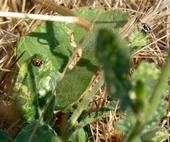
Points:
(37, 62)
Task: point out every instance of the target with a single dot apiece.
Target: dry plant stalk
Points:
(67, 19)
(64, 11)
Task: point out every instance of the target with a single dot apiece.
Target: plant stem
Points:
(49, 5)
(67, 19)
(153, 103)
(87, 97)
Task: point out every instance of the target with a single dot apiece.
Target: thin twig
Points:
(67, 19)
(64, 11)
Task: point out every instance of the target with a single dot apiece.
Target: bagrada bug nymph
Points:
(37, 62)
(146, 28)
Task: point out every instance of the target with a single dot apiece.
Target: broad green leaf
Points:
(137, 39)
(110, 19)
(47, 40)
(156, 134)
(113, 54)
(44, 133)
(50, 42)
(4, 137)
(34, 84)
(77, 80)
(79, 136)
(126, 123)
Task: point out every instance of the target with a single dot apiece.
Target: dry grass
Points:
(151, 13)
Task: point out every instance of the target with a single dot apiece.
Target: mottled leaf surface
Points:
(44, 133)
(50, 42)
(77, 80)
(149, 74)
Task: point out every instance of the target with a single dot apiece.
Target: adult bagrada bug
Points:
(37, 62)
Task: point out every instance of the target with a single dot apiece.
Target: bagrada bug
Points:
(146, 28)
(37, 62)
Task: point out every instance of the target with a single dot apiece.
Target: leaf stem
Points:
(87, 96)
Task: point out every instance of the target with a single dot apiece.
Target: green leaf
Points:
(34, 83)
(149, 74)
(47, 40)
(44, 133)
(23, 92)
(91, 117)
(77, 120)
(138, 97)
(46, 43)
(137, 39)
(48, 116)
(113, 54)
(157, 134)
(79, 136)
(77, 80)
(126, 123)
(4, 137)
